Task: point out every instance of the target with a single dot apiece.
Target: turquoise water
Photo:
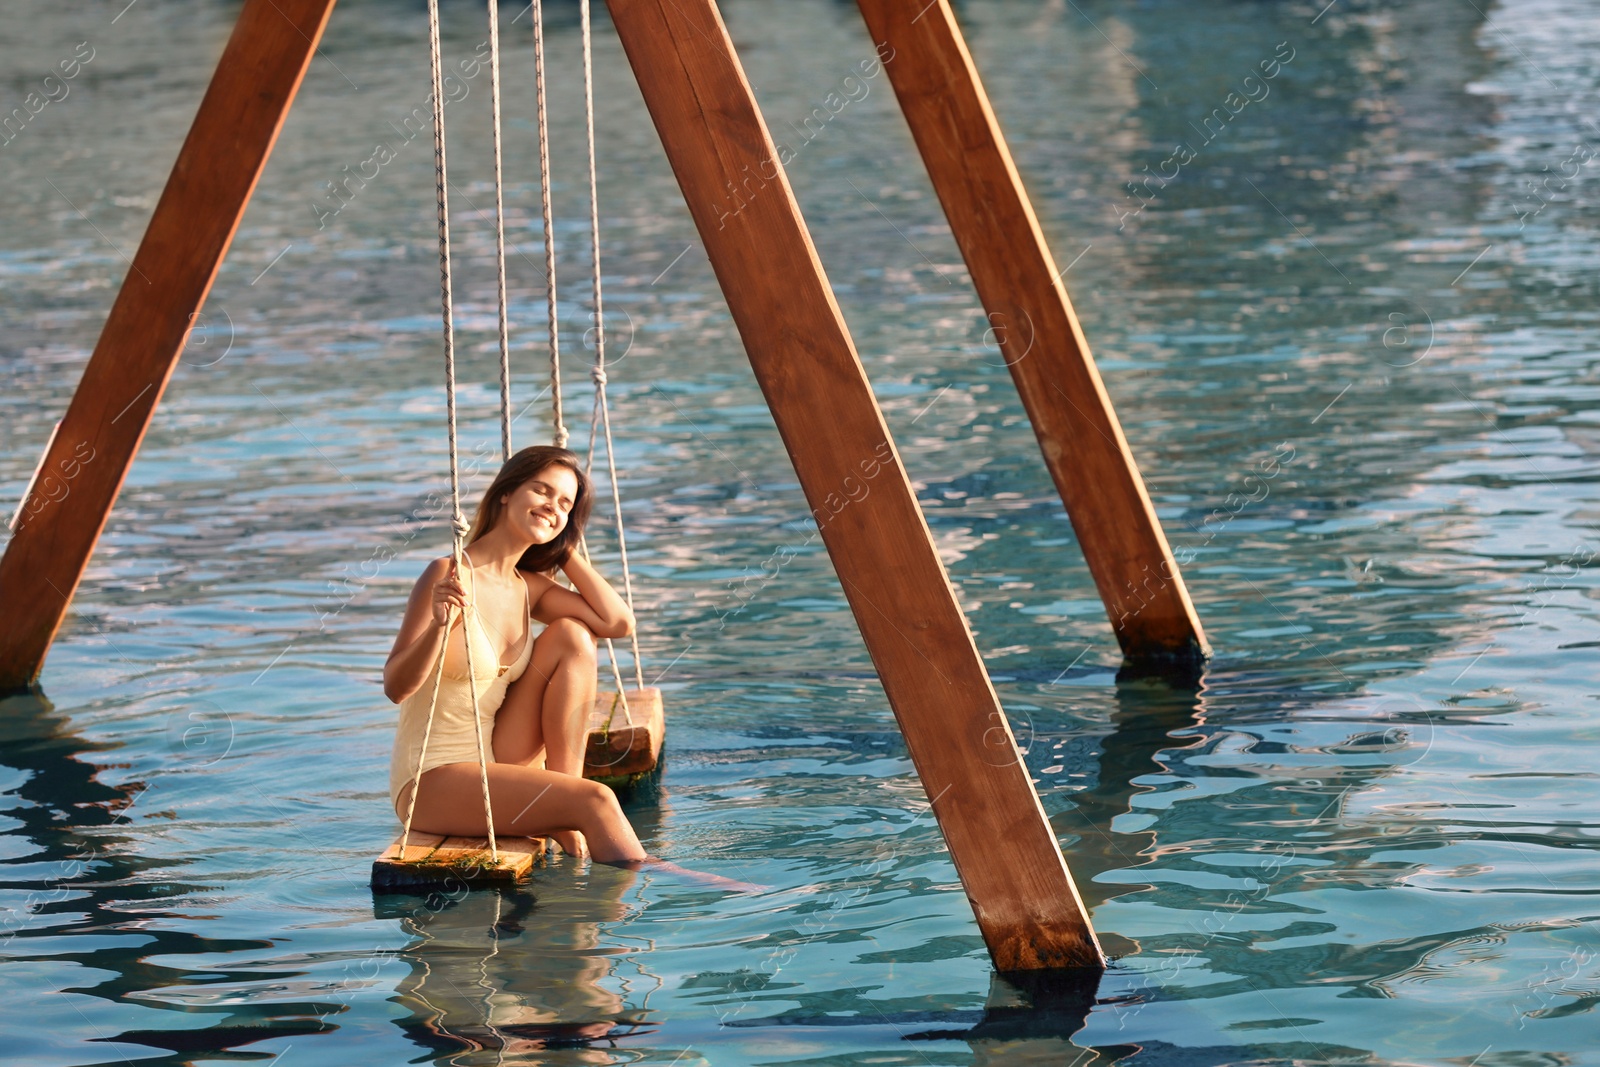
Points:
(1367, 834)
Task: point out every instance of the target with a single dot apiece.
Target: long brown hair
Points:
(545, 558)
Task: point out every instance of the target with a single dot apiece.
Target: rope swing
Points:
(457, 519)
(560, 440)
(602, 410)
(600, 421)
(500, 234)
(601, 418)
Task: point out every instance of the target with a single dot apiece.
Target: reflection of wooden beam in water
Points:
(112, 898)
(36, 738)
(1148, 711)
(62, 801)
(1043, 1008)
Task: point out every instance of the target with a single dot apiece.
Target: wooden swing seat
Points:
(620, 754)
(434, 862)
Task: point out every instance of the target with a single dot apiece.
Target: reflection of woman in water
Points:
(528, 525)
(545, 976)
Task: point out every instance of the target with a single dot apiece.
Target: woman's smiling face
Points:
(538, 508)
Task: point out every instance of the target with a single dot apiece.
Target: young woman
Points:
(534, 691)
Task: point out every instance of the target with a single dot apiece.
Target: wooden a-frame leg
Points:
(732, 177)
(194, 222)
(1039, 337)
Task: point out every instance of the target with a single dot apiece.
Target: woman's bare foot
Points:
(717, 881)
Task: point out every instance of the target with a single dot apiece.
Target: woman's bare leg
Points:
(546, 711)
(565, 656)
(527, 802)
(518, 736)
(533, 802)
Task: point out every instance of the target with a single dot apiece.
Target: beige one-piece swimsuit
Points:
(453, 739)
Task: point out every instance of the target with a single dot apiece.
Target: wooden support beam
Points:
(733, 180)
(1040, 339)
(194, 222)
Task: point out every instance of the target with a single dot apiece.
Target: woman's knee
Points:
(577, 803)
(570, 635)
(598, 799)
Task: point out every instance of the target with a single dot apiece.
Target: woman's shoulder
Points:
(538, 584)
(436, 569)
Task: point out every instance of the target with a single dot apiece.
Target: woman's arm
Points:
(593, 603)
(437, 593)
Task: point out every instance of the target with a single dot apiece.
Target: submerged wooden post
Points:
(194, 222)
(1026, 905)
(1032, 318)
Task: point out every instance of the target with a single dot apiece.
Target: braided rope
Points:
(611, 652)
(598, 373)
(472, 685)
(458, 520)
(561, 435)
(427, 732)
(500, 233)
